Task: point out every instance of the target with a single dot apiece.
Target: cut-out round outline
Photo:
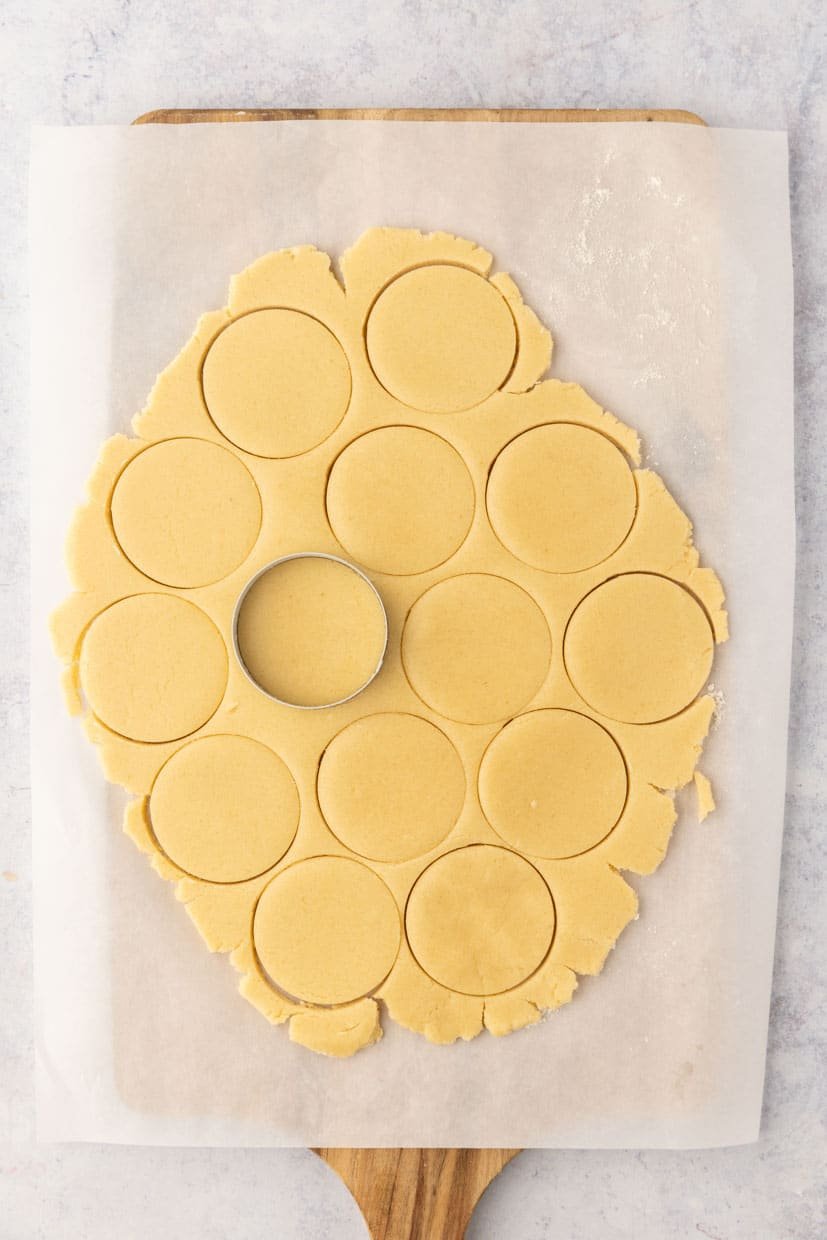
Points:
(381, 714)
(307, 1003)
(393, 426)
(178, 439)
(172, 740)
(409, 682)
(406, 271)
(467, 993)
(308, 555)
(219, 882)
(236, 318)
(570, 572)
(639, 572)
(564, 710)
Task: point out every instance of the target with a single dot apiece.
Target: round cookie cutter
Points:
(309, 555)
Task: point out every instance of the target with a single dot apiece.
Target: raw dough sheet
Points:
(659, 257)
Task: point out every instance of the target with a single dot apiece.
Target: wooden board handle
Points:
(417, 1194)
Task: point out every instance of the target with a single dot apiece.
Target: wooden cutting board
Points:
(189, 116)
(416, 1194)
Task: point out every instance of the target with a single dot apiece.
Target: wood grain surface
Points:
(417, 1194)
(190, 116)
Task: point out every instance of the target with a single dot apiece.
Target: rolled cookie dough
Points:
(447, 841)
(391, 786)
(276, 383)
(186, 512)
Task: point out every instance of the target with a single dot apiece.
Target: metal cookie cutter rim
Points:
(308, 555)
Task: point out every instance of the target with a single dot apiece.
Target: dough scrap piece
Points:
(476, 648)
(276, 382)
(480, 920)
(186, 512)
(271, 436)
(417, 1002)
(391, 786)
(553, 783)
(355, 930)
(639, 648)
(704, 794)
(441, 338)
(550, 987)
(153, 667)
(561, 497)
(224, 808)
(311, 631)
(338, 1032)
(419, 484)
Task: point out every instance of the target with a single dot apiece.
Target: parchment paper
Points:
(659, 256)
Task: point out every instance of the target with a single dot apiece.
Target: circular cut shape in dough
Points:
(153, 667)
(480, 920)
(561, 497)
(553, 783)
(186, 512)
(639, 648)
(311, 630)
(224, 808)
(391, 786)
(476, 648)
(276, 382)
(327, 930)
(400, 500)
(441, 338)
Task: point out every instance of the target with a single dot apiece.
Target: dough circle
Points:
(553, 783)
(480, 920)
(327, 930)
(420, 486)
(391, 786)
(639, 648)
(186, 512)
(276, 382)
(441, 338)
(153, 667)
(311, 630)
(476, 648)
(561, 497)
(224, 808)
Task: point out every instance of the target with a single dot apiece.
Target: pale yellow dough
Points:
(311, 631)
(446, 845)
(639, 648)
(153, 667)
(553, 783)
(419, 484)
(391, 786)
(326, 930)
(476, 648)
(186, 512)
(441, 338)
(480, 920)
(561, 497)
(224, 808)
(276, 383)
(704, 794)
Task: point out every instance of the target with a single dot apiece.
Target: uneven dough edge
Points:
(303, 278)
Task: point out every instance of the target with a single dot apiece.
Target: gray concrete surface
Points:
(748, 63)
